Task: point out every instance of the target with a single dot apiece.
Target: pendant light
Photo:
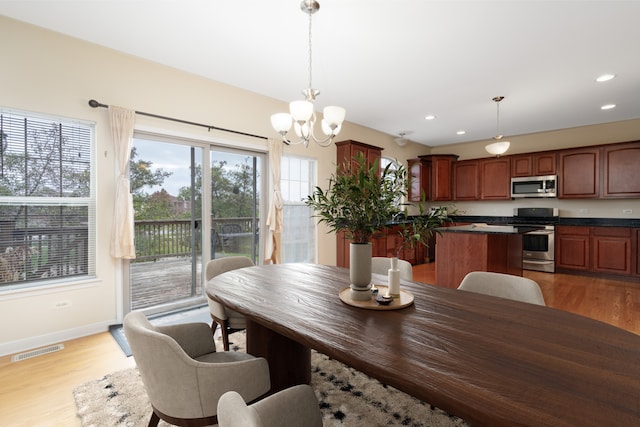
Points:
(499, 147)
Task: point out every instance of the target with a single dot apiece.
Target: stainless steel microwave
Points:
(533, 186)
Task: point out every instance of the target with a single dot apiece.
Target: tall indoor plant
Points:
(360, 200)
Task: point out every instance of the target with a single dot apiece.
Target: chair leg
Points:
(155, 419)
(225, 335)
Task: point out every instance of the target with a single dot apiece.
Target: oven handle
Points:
(541, 232)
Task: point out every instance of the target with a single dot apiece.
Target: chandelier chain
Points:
(310, 51)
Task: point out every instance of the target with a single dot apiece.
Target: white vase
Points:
(393, 275)
(360, 271)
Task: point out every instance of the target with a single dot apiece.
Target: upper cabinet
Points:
(432, 175)
(606, 171)
(620, 163)
(495, 179)
(579, 173)
(466, 180)
(346, 150)
(534, 164)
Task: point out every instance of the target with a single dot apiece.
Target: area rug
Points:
(347, 398)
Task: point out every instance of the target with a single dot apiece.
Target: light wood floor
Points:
(38, 391)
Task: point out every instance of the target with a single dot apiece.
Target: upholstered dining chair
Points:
(503, 285)
(293, 407)
(183, 374)
(229, 320)
(381, 265)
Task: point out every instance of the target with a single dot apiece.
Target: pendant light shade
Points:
(499, 147)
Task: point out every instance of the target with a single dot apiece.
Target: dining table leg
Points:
(289, 361)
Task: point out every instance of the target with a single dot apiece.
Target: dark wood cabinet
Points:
(636, 250)
(431, 175)
(466, 180)
(606, 250)
(611, 250)
(346, 150)
(533, 164)
(579, 173)
(621, 177)
(495, 179)
(572, 250)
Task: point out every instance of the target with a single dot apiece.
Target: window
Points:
(46, 199)
(297, 181)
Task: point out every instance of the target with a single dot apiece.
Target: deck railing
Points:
(156, 239)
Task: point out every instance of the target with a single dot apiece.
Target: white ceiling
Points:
(389, 63)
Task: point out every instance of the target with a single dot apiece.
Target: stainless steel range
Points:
(538, 245)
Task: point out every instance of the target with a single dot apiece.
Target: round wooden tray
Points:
(405, 300)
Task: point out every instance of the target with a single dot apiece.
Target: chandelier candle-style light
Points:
(301, 113)
(499, 147)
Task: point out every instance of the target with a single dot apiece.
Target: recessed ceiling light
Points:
(429, 117)
(608, 107)
(461, 132)
(605, 78)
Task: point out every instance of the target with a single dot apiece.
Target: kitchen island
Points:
(477, 247)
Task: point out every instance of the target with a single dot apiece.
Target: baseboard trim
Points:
(30, 343)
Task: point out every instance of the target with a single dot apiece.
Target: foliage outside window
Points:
(46, 199)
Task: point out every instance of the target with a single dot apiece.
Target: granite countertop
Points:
(483, 228)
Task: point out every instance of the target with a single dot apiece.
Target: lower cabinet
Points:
(383, 245)
(595, 249)
(572, 251)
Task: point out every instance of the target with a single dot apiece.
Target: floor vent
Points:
(37, 352)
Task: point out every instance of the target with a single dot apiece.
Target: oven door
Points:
(538, 250)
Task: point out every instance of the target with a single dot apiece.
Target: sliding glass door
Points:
(236, 203)
(166, 187)
(173, 238)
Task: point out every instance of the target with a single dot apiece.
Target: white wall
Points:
(50, 73)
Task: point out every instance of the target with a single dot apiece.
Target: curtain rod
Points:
(95, 104)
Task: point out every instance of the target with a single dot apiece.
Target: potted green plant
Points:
(360, 200)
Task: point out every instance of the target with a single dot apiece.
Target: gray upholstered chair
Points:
(183, 374)
(381, 265)
(503, 285)
(229, 320)
(293, 407)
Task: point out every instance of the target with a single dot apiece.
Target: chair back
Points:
(503, 285)
(296, 406)
(381, 265)
(222, 265)
(161, 361)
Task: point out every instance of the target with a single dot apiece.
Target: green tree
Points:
(142, 176)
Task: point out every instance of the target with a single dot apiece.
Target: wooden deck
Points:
(162, 281)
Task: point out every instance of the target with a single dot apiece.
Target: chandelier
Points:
(301, 113)
(499, 147)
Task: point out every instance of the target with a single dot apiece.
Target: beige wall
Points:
(53, 74)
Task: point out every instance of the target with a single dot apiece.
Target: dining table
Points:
(490, 361)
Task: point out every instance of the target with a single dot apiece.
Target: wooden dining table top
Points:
(488, 360)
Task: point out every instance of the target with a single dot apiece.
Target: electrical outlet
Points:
(627, 211)
(584, 210)
(58, 305)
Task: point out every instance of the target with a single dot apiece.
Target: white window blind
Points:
(47, 202)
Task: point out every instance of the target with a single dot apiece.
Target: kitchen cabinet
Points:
(495, 179)
(533, 164)
(611, 250)
(606, 250)
(431, 175)
(466, 180)
(346, 150)
(636, 250)
(621, 177)
(579, 173)
(572, 251)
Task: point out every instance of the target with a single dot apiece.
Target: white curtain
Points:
(275, 220)
(122, 122)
